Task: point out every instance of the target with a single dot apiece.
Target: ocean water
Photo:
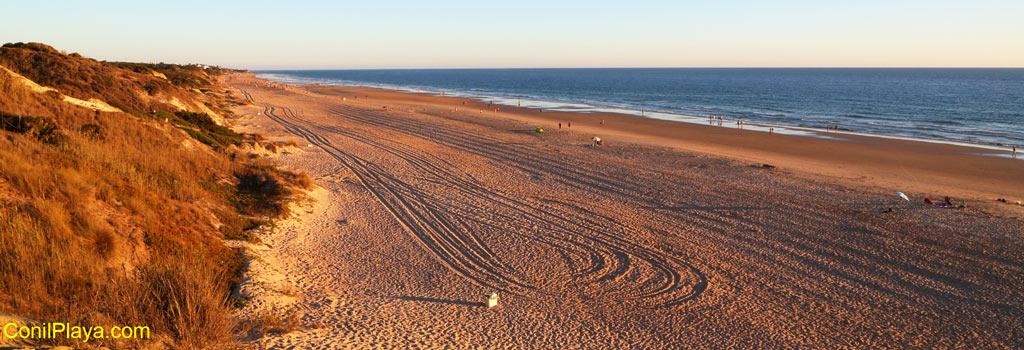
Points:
(976, 106)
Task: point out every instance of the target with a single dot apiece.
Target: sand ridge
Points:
(92, 103)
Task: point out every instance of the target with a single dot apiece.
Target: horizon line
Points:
(654, 67)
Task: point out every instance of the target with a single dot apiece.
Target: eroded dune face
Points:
(624, 246)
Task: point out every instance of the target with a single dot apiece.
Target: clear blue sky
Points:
(431, 34)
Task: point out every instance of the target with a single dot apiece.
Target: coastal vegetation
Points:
(118, 217)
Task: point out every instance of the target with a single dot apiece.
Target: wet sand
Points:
(904, 165)
(667, 237)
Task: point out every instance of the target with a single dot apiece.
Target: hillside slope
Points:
(117, 189)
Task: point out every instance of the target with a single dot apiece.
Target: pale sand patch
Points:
(93, 104)
(265, 285)
(27, 82)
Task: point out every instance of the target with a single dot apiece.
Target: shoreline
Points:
(987, 149)
(931, 169)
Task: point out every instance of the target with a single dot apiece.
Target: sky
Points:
(366, 34)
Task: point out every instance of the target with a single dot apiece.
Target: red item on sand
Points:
(929, 201)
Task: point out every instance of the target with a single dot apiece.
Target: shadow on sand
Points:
(442, 301)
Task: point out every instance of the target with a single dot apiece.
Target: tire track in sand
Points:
(606, 256)
(611, 256)
(436, 234)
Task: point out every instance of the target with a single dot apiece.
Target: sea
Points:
(982, 107)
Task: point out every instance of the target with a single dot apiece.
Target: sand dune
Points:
(626, 246)
(92, 103)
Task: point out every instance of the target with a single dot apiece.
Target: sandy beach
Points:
(669, 236)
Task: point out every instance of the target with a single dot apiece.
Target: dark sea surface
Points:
(976, 106)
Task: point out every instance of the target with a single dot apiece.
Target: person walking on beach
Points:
(570, 125)
(559, 126)
(602, 122)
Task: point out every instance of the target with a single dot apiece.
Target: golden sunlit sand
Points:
(669, 236)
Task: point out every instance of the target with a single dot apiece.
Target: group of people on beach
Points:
(712, 119)
(740, 123)
(570, 124)
(597, 141)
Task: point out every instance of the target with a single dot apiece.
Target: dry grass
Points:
(180, 296)
(114, 222)
(276, 321)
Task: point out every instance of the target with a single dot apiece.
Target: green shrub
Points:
(201, 127)
(42, 129)
(92, 131)
(31, 46)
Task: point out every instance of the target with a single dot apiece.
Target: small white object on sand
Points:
(492, 300)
